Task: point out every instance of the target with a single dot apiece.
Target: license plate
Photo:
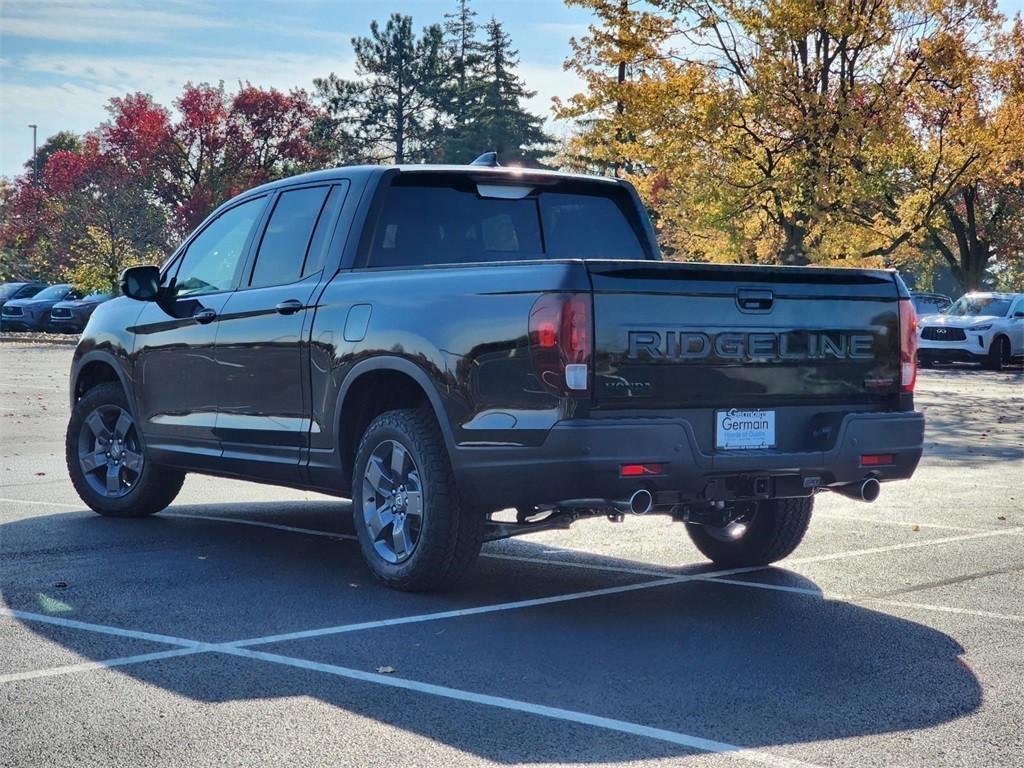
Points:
(738, 430)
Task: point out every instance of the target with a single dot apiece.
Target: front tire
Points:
(413, 530)
(998, 354)
(775, 530)
(107, 460)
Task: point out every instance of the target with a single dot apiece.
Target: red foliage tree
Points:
(148, 167)
(217, 146)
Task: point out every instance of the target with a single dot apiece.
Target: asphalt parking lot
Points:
(241, 628)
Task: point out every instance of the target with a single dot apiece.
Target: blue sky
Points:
(61, 60)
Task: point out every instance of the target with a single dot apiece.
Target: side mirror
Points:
(1018, 314)
(141, 283)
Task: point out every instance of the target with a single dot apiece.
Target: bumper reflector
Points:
(877, 460)
(641, 470)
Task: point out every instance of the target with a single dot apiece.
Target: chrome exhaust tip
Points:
(641, 502)
(870, 489)
(867, 490)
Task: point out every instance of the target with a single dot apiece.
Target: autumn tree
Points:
(971, 116)
(778, 131)
(147, 176)
(612, 59)
(104, 217)
(62, 141)
(395, 110)
(24, 231)
(214, 145)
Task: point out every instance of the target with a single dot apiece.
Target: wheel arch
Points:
(379, 384)
(98, 367)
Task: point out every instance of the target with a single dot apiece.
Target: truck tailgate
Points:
(682, 336)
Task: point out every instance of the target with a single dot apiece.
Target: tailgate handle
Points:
(755, 299)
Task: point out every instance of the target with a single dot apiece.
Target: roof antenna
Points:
(489, 159)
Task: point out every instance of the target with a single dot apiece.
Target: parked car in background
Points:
(33, 314)
(17, 290)
(930, 303)
(71, 315)
(986, 328)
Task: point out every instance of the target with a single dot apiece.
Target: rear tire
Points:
(777, 528)
(107, 460)
(414, 532)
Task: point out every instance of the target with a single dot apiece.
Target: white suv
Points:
(986, 328)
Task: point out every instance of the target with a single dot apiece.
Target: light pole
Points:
(35, 158)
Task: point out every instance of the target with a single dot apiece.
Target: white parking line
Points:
(815, 593)
(191, 647)
(941, 608)
(895, 523)
(86, 666)
(260, 524)
(43, 618)
(904, 545)
(45, 503)
(455, 614)
(556, 713)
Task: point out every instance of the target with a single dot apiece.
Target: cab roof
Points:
(499, 173)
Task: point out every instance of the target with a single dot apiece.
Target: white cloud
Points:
(110, 21)
(78, 102)
(164, 75)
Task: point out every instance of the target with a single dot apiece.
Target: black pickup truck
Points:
(473, 352)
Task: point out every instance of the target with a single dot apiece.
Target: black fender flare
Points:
(111, 360)
(414, 372)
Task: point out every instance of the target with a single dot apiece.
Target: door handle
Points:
(753, 300)
(289, 307)
(204, 316)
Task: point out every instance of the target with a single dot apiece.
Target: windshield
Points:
(968, 306)
(930, 305)
(53, 292)
(7, 289)
(98, 297)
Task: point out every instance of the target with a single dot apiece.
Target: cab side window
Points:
(213, 258)
(295, 238)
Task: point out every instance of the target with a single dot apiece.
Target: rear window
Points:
(456, 221)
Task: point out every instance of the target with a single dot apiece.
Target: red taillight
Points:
(877, 460)
(560, 341)
(908, 345)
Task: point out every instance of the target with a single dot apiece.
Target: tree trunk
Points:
(973, 252)
(793, 253)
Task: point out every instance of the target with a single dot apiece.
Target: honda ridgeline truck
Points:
(474, 352)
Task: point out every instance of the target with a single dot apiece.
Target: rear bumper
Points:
(581, 459)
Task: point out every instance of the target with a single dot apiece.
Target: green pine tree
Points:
(498, 120)
(466, 54)
(397, 108)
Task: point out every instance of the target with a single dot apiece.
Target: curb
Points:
(61, 340)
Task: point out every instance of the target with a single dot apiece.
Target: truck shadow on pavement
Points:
(747, 667)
